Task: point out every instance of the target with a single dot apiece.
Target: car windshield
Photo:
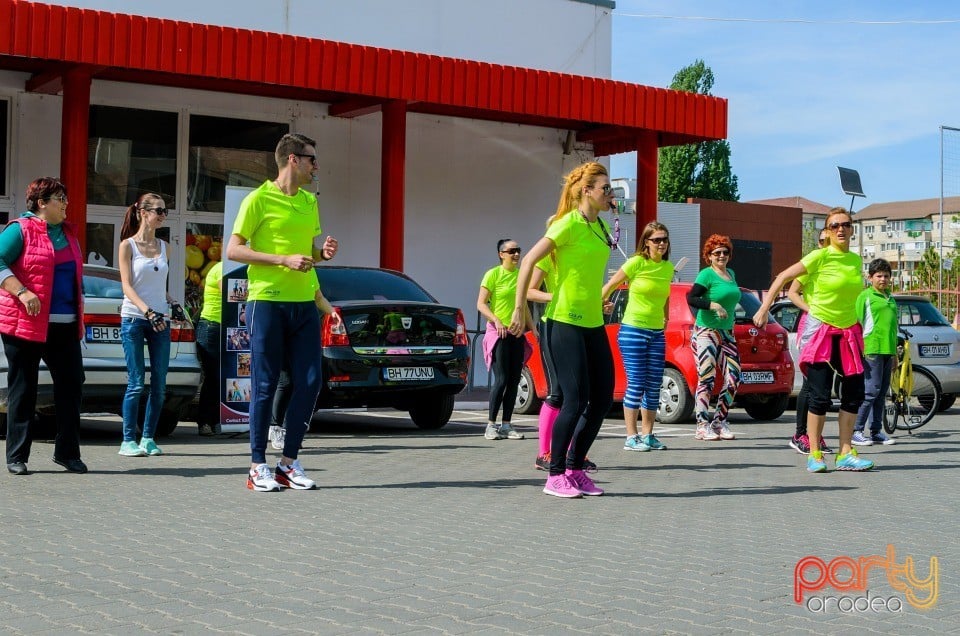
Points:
(919, 313)
(102, 282)
(347, 283)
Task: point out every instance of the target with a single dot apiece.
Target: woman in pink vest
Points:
(41, 318)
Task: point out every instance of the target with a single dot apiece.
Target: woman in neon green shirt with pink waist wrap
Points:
(581, 244)
(832, 336)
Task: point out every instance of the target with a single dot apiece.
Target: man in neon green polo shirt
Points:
(277, 234)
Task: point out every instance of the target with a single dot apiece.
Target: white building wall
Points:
(683, 221)
(554, 35)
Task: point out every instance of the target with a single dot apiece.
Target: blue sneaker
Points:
(635, 443)
(653, 443)
(851, 461)
(149, 447)
(131, 449)
(815, 463)
(881, 438)
(859, 439)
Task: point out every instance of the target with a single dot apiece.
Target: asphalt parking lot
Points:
(444, 532)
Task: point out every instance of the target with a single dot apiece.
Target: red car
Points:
(767, 368)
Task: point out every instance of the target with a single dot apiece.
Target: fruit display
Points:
(203, 250)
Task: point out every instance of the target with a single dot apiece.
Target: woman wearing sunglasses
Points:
(801, 287)
(143, 273)
(641, 339)
(503, 351)
(832, 338)
(41, 318)
(580, 244)
(715, 294)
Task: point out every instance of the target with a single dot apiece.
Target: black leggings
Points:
(820, 384)
(507, 366)
(554, 394)
(584, 367)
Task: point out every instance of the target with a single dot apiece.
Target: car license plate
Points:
(934, 351)
(756, 377)
(107, 335)
(402, 374)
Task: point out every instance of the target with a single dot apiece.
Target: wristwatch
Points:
(22, 291)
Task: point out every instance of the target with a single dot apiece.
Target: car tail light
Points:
(782, 341)
(334, 336)
(460, 337)
(184, 333)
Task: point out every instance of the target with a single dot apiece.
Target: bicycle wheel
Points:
(919, 407)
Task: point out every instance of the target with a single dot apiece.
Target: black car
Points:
(398, 346)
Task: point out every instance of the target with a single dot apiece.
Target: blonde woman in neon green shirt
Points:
(580, 243)
(503, 351)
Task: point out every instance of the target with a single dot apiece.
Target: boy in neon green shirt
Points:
(877, 313)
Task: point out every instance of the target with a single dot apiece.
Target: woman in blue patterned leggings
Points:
(641, 340)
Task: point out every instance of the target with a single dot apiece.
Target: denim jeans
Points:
(133, 333)
(876, 379)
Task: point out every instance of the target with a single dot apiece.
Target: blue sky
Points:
(807, 97)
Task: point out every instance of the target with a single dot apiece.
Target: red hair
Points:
(715, 241)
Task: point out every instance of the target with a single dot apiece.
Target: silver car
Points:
(104, 364)
(935, 343)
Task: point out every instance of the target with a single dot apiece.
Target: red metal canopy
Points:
(42, 38)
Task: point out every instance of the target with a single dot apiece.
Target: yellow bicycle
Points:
(914, 392)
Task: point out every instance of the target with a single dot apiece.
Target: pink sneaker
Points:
(561, 486)
(583, 483)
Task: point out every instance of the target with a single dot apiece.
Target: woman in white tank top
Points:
(146, 304)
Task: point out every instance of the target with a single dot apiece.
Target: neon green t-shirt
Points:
(582, 254)
(212, 298)
(649, 290)
(837, 281)
(722, 291)
(274, 223)
(502, 285)
(549, 269)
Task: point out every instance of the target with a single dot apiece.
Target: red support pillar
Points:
(647, 162)
(392, 165)
(73, 146)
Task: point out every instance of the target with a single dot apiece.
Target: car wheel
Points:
(946, 402)
(433, 412)
(168, 422)
(676, 402)
(527, 402)
(769, 408)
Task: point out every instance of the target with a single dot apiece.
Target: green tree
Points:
(696, 170)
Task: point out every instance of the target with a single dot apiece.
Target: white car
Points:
(104, 363)
(935, 343)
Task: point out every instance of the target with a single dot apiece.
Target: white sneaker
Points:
(493, 432)
(260, 479)
(293, 476)
(277, 435)
(509, 432)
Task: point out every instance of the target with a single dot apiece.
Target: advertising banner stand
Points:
(234, 354)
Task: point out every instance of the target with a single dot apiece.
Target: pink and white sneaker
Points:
(706, 434)
(583, 483)
(561, 486)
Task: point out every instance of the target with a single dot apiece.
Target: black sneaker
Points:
(801, 444)
(543, 462)
(589, 466)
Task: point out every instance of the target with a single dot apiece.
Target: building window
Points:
(131, 151)
(225, 151)
(4, 146)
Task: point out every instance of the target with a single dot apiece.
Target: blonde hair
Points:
(832, 213)
(583, 175)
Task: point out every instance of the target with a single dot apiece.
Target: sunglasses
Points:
(660, 240)
(62, 198)
(607, 189)
(845, 225)
(157, 211)
(512, 250)
(720, 253)
(312, 158)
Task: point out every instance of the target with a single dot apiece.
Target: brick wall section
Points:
(781, 226)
